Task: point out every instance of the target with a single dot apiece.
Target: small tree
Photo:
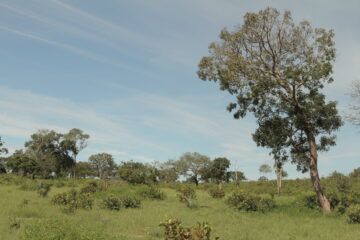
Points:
(265, 169)
(137, 173)
(103, 164)
(192, 165)
(21, 164)
(277, 69)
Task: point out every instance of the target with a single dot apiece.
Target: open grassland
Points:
(25, 212)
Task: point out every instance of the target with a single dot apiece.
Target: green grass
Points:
(287, 222)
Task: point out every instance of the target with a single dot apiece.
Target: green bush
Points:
(175, 231)
(217, 193)
(153, 193)
(56, 229)
(250, 202)
(73, 200)
(187, 195)
(353, 213)
(44, 189)
(130, 202)
(112, 203)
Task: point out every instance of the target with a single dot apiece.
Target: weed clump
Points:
(175, 231)
(153, 193)
(217, 193)
(73, 200)
(130, 202)
(44, 189)
(112, 203)
(250, 202)
(353, 213)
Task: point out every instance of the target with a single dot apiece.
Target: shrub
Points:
(174, 230)
(353, 213)
(130, 202)
(59, 184)
(44, 189)
(153, 193)
(112, 203)
(186, 195)
(217, 193)
(89, 189)
(73, 200)
(250, 202)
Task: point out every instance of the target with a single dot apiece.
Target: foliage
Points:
(103, 164)
(187, 195)
(353, 214)
(175, 231)
(193, 165)
(83, 169)
(112, 203)
(73, 200)
(167, 171)
(235, 176)
(130, 202)
(153, 193)
(21, 164)
(137, 173)
(217, 170)
(241, 200)
(355, 173)
(44, 189)
(217, 192)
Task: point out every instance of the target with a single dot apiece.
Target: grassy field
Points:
(287, 222)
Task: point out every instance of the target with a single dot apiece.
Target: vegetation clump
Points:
(217, 193)
(246, 201)
(73, 200)
(353, 213)
(175, 231)
(153, 193)
(130, 202)
(44, 189)
(187, 195)
(112, 203)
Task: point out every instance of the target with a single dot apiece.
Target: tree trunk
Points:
(314, 174)
(279, 178)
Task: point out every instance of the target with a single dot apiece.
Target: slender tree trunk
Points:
(279, 178)
(314, 174)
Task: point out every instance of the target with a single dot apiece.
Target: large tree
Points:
(217, 170)
(76, 139)
(193, 165)
(277, 69)
(56, 152)
(21, 164)
(103, 164)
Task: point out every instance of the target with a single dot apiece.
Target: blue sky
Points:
(124, 71)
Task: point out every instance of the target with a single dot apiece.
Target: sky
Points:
(124, 71)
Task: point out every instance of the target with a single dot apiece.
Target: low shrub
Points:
(130, 202)
(175, 231)
(73, 200)
(217, 193)
(112, 203)
(187, 195)
(250, 202)
(44, 189)
(59, 184)
(153, 193)
(353, 213)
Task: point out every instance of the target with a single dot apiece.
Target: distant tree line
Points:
(49, 154)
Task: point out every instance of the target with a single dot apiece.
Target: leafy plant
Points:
(112, 203)
(153, 193)
(187, 195)
(353, 213)
(175, 231)
(217, 193)
(44, 189)
(130, 202)
(250, 202)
